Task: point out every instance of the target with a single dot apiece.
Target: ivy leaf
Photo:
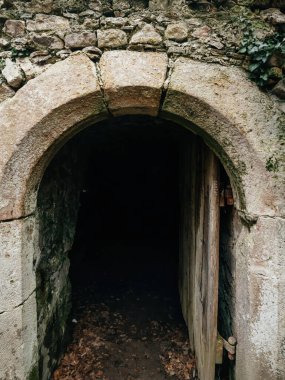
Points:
(253, 49)
(243, 50)
(264, 77)
(253, 67)
(259, 52)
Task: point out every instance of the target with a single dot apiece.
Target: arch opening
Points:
(243, 129)
(111, 215)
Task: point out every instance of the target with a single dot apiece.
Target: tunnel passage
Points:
(130, 199)
(110, 210)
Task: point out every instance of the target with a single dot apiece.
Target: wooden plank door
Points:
(199, 252)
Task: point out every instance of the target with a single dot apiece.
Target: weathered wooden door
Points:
(199, 251)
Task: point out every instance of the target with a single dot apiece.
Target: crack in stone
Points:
(19, 218)
(101, 84)
(253, 218)
(20, 304)
(170, 67)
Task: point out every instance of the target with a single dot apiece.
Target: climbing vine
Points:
(266, 57)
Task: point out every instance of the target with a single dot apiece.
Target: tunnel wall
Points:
(56, 216)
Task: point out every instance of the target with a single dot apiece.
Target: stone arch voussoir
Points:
(216, 102)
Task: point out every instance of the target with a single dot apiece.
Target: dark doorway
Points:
(129, 207)
(124, 262)
(126, 316)
(128, 214)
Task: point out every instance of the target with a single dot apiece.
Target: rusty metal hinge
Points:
(229, 345)
(226, 196)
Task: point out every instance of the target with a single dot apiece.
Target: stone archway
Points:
(239, 123)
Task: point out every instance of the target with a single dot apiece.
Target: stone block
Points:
(18, 349)
(133, 81)
(260, 302)
(47, 41)
(40, 6)
(30, 69)
(177, 32)
(147, 35)
(274, 16)
(4, 42)
(12, 73)
(80, 40)
(158, 5)
(14, 28)
(121, 4)
(17, 276)
(163, 5)
(112, 38)
(43, 23)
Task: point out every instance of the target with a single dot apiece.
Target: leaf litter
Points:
(124, 335)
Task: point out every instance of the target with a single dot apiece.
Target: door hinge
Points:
(226, 196)
(229, 345)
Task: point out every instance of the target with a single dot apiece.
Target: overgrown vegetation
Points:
(266, 57)
(272, 164)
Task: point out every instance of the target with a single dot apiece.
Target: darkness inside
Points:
(109, 213)
(128, 221)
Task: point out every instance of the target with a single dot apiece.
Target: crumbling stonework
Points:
(36, 34)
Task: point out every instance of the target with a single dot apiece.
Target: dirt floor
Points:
(126, 327)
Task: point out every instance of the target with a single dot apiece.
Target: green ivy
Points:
(272, 164)
(20, 53)
(259, 52)
(2, 64)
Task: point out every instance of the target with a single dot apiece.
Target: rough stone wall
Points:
(35, 34)
(58, 203)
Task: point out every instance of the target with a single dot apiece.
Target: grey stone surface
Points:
(274, 16)
(18, 349)
(43, 22)
(14, 28)
(12, 73)
(260, 323)
(5, 92)
(17, 274)
(242, 128)
(42, 96)
(147, 35)
(30, 69)
(112, 38)
(4, 42)
(47, 41)
(161, 5)
(133, 81)
(177, 32)
(80, 40)
(48, 22)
